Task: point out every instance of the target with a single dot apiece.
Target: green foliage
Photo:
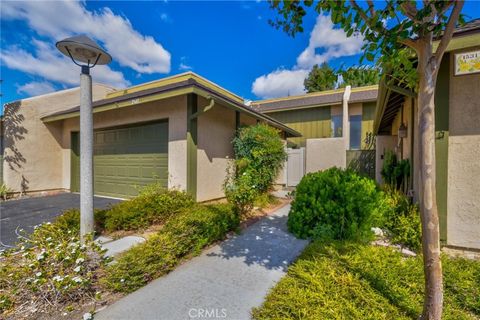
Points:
(184, 235)
(320, 78)
(153, 206)
(395, 173)
(70, 220)
(335, 204)
(402, 220)
(351, 281)
(4, 191)
(48, 270)
(359, 76)
(259, 156)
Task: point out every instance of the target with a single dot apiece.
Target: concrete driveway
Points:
(26, 213)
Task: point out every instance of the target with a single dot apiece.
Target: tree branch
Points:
(447, 34)
(410, 43)
(410, 11)
(371, 7)
(365, 18)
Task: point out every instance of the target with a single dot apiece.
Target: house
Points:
(457, 137)
(177, 130)
(324, 119)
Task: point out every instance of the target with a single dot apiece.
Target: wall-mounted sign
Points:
(467, 62)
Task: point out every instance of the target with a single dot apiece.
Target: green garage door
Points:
(125, 159)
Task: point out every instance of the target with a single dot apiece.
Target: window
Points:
(355, 132)
(337, 122)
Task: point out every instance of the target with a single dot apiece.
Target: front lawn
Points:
(343, 280)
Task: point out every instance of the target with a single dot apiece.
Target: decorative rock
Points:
(378, 232)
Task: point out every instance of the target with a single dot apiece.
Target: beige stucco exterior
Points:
(382, 145)
(33, 156)
(463, 219)
(325, 153)
(216, 129)
(38, 138)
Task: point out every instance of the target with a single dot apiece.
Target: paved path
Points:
(28, 212)
(225, 282)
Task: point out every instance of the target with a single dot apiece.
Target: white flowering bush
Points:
(49, 269)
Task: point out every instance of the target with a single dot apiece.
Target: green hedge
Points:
(146, 209)
(155, 206)
(351, 281)
(335, 204)
(183, 235)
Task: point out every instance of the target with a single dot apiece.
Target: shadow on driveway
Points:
(26, 213)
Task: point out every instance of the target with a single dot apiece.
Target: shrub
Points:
(48, 270)
(402, 220)
(351, 281)
(183, 235)
(335, 204)
(4, 191)
(69, 220)
(395, 173)
(259, 154)
(150, 207)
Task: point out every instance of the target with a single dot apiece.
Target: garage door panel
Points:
(125, 159)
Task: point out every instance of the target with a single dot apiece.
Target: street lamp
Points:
(86, 54)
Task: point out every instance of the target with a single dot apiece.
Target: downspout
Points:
(205, 109)
(345, 122)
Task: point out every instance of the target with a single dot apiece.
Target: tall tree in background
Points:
(320, 78)
(359, 76)
(388, 27)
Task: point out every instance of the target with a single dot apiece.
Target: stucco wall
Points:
(325, 153)
(383, 144)
(463, 220)
(216, 129)
(173, 109)
(33, 149)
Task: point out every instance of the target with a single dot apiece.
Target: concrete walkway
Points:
(225, 282)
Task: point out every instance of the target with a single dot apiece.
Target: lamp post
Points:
(86, 54)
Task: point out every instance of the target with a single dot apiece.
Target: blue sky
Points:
(230, 43)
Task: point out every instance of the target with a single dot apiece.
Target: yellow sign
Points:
(467, 62)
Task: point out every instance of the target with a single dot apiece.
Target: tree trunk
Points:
(432, 308)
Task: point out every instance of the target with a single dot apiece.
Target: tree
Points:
(359, 76)
(388, 28)
(320, 78)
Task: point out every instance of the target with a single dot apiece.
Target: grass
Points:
(350, 281)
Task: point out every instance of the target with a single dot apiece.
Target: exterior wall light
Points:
(86, 54)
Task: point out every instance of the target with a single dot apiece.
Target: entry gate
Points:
(295, 166)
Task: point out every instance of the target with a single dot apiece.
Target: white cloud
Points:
(165, 17)
(47, 62)
(332, 43)
(280, 83)
(58, 20)
(36, 88)
(183, 64)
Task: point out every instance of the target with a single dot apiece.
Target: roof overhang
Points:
(182, 86)
(389, 103)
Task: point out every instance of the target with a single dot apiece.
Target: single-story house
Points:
(336, 125)
(457, 137)
(177, 130)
